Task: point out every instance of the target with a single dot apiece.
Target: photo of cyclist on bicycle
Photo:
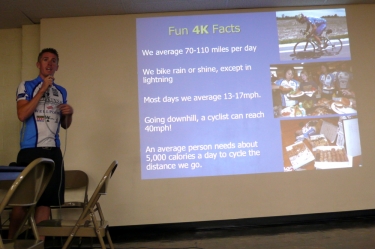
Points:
(312, 34)
(317, 25)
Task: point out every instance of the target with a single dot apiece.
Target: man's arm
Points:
(26, 108)
(275, 85)
(307, 27)
(66, 115)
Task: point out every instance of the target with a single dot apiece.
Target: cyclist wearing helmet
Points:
(318, 25)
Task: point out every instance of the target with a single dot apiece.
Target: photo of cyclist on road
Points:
(317, 25)
(313, 34)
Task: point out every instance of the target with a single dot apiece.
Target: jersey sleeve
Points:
(278, 82)
(22, 93)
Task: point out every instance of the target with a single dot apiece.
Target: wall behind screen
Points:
(99, 69)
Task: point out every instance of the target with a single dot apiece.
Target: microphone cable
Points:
(62, 166)
(63, 153)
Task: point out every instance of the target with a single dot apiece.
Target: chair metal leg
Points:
(97, 229)
(33, 227)
(29, 213)
(109, 239)
(102, 244)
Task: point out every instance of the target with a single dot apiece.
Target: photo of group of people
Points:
(316, 106)
(313, 89)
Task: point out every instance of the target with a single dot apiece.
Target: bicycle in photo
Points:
(309, 47)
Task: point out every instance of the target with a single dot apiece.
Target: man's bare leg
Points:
(318, 40)
(16, 217)
(42, 213)
(18, 214)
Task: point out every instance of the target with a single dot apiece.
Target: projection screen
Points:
(214, 99)
(200, 112)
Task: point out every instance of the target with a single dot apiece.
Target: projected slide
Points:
(232, 94)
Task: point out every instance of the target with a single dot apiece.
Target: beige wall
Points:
(19, 49)
(98, 68)
(30, 51)
(10, 77)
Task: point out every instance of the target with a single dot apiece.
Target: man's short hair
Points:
(289, 68)
(48, 50)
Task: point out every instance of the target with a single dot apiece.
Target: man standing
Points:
(343, 77)
(327, 81)
(42, 107)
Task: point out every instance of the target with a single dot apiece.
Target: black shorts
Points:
(54, 193)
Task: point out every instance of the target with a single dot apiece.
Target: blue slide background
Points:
(256, 29)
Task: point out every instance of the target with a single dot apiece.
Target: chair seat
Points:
(64, 228)
(71, 205)
(23, 244)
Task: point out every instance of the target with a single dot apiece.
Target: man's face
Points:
(47, 64)
(289, 75)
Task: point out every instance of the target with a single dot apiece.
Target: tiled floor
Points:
(354, 233)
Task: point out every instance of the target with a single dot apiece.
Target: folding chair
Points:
(76, 186)
(4, 214)
(5, 184)
(76, 198)
(88, 224)
(26, 191)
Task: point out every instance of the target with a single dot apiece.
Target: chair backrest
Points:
(103, 184)
(28, 188)
(30, 184)
(7, 176)
(76, 186)
(101, 189)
